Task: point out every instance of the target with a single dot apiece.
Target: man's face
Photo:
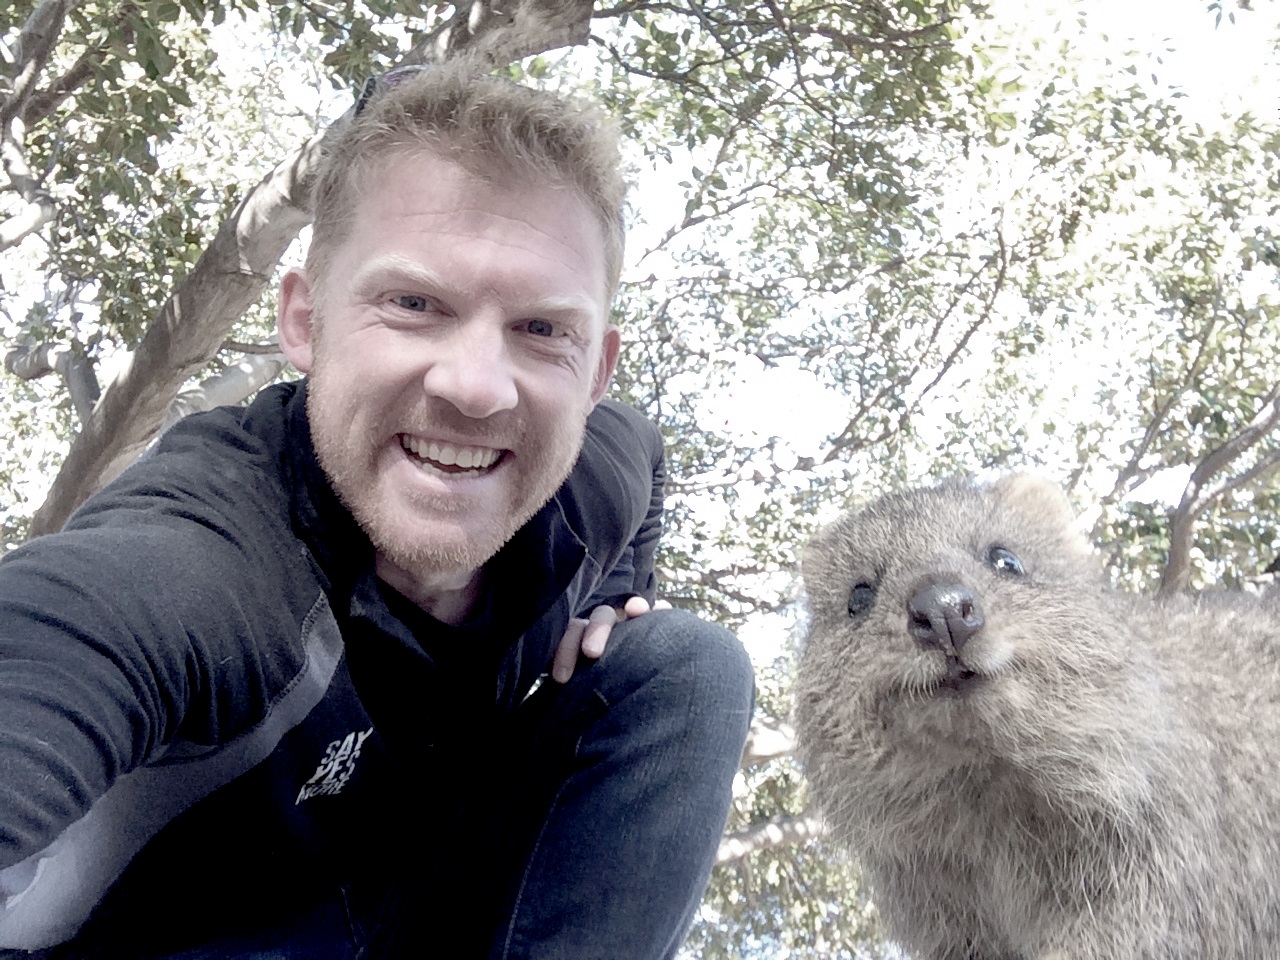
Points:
(455, 347)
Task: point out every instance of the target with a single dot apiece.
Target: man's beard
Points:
(349, 451)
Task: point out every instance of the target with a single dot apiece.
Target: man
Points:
(276, 692)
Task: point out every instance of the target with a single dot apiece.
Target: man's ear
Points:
(609, 350)
(295, 319)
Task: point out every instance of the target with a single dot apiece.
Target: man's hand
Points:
(588, 637)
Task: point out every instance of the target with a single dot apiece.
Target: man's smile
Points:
(448, 458)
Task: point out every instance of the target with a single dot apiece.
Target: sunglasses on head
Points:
(394, 76)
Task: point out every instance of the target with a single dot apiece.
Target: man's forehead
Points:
(411, 160)
(436, 194)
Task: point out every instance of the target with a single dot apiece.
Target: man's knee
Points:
(681, 652)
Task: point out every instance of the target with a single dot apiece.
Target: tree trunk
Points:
(227, 279)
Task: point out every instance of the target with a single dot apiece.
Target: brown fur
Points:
(1103, 784)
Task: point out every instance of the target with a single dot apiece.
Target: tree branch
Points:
(42, 102)
(233, 385)
(35, 213)
(1204, 488)
(239, 346)
(852, 436)
(777, 832)
(31, 52)
(768, 740)
(31, 361)
(1132, 474)
(34, 45)
(229, 276)
(500, 34)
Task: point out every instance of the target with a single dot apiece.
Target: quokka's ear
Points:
(817, 556)
(1039, 497)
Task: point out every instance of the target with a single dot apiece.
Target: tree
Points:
(949, 240)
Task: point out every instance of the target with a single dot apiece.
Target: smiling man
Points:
(456, 344)
(326, 676)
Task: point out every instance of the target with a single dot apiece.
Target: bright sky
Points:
(1215, 66)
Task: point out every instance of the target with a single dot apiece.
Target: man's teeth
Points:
(447, 455)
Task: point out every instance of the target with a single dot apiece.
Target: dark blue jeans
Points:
(586, 832)
(647, 742)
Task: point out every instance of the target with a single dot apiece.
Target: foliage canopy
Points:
(934, 238)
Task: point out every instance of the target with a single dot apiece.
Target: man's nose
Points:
(472, 369)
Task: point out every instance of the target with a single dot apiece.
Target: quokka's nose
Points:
(944, 615)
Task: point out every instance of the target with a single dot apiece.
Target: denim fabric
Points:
(581, 827)
(647, 743)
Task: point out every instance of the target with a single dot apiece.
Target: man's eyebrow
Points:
(393, 268)
(565, 305)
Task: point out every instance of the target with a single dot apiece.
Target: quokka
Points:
(1028, 764)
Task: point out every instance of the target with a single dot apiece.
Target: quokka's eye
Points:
(861, 597)
(1004, 561)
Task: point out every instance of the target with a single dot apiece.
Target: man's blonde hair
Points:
(493, 128)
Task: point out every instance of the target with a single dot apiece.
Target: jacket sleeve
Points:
(141, 624)
(80, 703)
(639, 447)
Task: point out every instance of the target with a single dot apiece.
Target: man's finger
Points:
(566, 657)
(639, 606)
(635, 607)
(600, 624)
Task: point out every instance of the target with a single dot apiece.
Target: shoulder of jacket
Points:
(220, 466)
(615, 418)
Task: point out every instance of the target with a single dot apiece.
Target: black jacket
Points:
(204, 656)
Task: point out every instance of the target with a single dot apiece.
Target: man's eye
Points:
(540, 328)
(411, 301)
